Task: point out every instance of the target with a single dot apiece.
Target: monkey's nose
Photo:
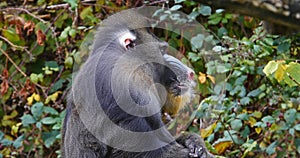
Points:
(190, 74)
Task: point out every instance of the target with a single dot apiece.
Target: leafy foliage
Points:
(253, 110)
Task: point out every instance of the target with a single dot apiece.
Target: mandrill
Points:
(118, 96)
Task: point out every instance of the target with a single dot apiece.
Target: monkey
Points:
(118, 96)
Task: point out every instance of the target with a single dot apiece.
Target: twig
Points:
(58, 6)
(13, 45)
(15, 65)
(26, 11)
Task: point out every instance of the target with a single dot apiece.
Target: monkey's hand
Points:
(195, 145)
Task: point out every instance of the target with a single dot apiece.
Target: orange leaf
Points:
(5, 73)
(41, 37)
(4, 87)
(29, 26)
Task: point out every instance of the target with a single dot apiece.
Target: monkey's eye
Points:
(129, 43)
(127, 40)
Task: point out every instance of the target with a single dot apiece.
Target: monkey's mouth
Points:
(183, 86)
(180, 88)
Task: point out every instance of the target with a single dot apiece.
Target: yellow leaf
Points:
(258, 130)
(280, 72)
(274, 127)
(262, 145)
(12, 115)
(208, 130)
(36, 97)
(213, 80)
(222, 146)
(257, 114)
(52, 97)
(15, 129)
(30, 100)
(202, 77)
(252, 121)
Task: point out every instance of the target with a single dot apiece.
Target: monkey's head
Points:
(132, 63)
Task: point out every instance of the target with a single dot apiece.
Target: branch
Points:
(245, 7)
(15, 65)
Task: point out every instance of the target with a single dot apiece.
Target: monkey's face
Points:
(177, 78)
(172, 73)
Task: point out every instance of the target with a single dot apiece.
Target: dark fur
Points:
(92, 89)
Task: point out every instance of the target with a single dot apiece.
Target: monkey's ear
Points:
(127, 40)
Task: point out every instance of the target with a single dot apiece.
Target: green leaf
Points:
(270, 68)
(34, 78)
(269, 119)
(205, 10)
(240, 80)
(37, 109)
(62, 114)
(50, 110)
(256, 48)
(271, 148)
(284, 47)
(292, 131)
(218, 11)
(254, 93)
(12, 36)
(293, 70)
(64, 35)
(197, 42)
(179, 1)
(297, 127)
(72, 33)
(49, 137)
(257, 114)
(27, 120)
(38, 49)
(223, 68)
(51, 64)
(86, 12)
(214, 21)
(48, 120)
(245, 133)
(245, 101)
(193, 56)
(73, 3)
(243, 116)
(57, 85)
(222, 31)
(289, 116)
(268, 41)
(6, 142)
(18, 142)
(236, 124)
(1, 135)
(176, 7)
(39, 125)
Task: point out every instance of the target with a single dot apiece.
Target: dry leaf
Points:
(41, 37)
